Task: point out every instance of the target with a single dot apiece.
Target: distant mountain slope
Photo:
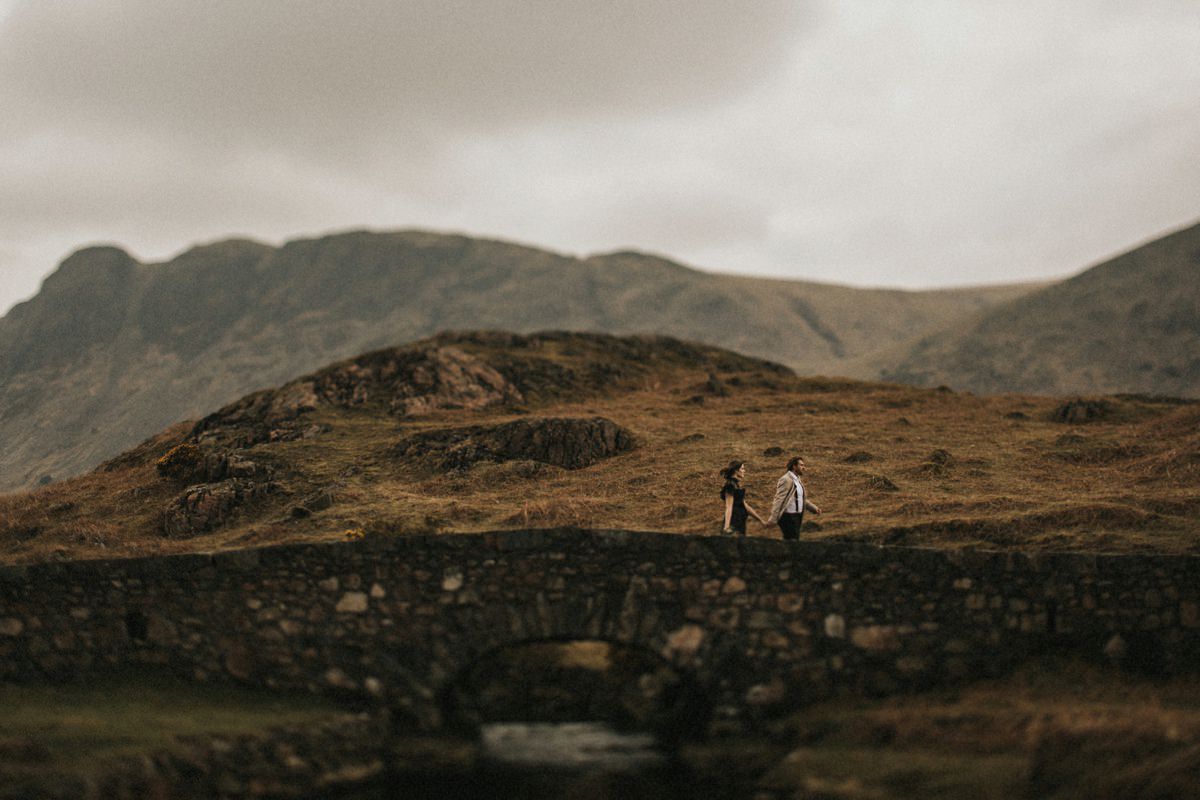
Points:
(111, 350)
(1131, 324)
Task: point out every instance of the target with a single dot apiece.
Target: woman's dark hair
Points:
(729, 472)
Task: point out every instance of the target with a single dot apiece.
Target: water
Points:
(538, 760)
(569, 745)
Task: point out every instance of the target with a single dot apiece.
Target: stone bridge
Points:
(761, 626)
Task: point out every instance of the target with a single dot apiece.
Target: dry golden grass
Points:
(888, 464)
(1054, 728)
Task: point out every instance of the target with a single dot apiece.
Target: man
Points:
(790, 500)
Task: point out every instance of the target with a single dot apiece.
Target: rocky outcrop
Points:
(406, 381)
(207, 506)
(1080, 411)
(418, 381)
(190, 463)
(470, 370)
(570, 443)
(218, 483)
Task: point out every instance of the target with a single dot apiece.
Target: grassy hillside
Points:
(1054, 729)
(112, 350)
(1131, 324)
(483, 431)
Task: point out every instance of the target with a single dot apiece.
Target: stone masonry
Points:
(761, 626)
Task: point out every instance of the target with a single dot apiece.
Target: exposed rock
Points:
(859, 457)
(191, 463)
(353, 603)
(571, 443)
(408, 381)
(1115, 649)
(882, 483)
(316, 501)
(291, 401)
(715, 387)
(733, 585)
(938, 462)
(442, 377)
(207, 506)
(767, 694)
(683, 642)
(452, 581)
(447, 372)
(184, 462)
(1080, 411)
(876, 638)
(240, 660)
(940, 457)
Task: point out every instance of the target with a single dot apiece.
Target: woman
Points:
(736, 507)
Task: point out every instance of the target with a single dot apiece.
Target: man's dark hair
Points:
(795, 460)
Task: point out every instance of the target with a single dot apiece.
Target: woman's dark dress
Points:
(737, 518)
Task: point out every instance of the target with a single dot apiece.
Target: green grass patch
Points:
(75, 728)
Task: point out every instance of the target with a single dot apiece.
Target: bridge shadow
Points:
(626, 686)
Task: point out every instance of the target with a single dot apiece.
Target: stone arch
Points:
(637, 686)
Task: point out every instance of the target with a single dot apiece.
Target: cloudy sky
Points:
(869, 142)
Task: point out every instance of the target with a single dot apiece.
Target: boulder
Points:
(190, 463)
(1080, 411)
(567, 442)
(205, 507)
(407, 381)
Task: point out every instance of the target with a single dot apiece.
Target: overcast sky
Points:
(868, 142)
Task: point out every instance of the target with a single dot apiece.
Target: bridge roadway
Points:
(761, 626)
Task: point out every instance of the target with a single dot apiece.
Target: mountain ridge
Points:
(1128, 324)
(113, 349)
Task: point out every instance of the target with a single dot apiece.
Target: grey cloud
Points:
(158, 123)
(876, 142)
(325, 75)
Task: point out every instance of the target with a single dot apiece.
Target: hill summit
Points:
(487, 430)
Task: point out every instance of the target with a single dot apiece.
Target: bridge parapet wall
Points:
(762, 625)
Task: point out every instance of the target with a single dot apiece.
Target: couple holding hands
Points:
(787, 510)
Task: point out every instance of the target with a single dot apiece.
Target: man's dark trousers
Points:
(790, 525)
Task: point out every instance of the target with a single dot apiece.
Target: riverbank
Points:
(1053, 729)
(142, 735)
